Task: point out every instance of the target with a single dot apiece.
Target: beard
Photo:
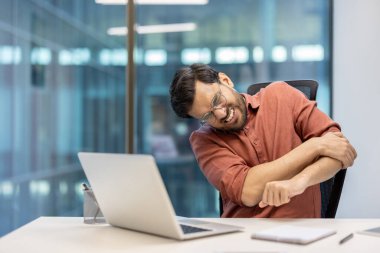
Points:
(240, 106)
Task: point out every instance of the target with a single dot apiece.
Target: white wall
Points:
(356, 101)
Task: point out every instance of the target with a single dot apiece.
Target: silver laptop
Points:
(132, 195)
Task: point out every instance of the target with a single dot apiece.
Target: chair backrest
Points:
(330, 189)
(308, 87)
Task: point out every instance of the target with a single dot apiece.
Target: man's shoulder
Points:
(280, 90)
(201, 137)
(203, 130)
(208, 134)
(278, 86)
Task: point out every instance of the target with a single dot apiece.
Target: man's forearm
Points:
(277, 193)
(277, 176)
(283, 168)
(321, 170)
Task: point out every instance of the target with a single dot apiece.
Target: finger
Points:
(339, 134)
(265, 196)
(352, 157)
(262, 204)
(354, 151)
(356, 154)
(284, 197)
(277, 198)
(270, 198)
(340, 157)
(352, 154)
(346, 162)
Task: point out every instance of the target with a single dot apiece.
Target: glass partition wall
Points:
(63, 68)
(62, 90)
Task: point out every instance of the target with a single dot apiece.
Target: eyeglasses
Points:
(218, 102)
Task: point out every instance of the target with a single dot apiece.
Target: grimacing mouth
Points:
(231, 113)
(231, 110)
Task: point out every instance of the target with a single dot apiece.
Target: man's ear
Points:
(224, 79)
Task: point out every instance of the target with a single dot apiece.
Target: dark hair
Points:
(182, 89)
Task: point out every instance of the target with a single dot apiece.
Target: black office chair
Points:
(330, 189)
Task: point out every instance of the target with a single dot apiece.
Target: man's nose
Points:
(220, 113)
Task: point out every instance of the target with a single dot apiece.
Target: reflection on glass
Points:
(59, 94)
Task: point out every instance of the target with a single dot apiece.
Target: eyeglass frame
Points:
(215, 105)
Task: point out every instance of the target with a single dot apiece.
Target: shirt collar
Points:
(251, 100)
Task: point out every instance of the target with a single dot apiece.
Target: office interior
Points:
(64, 76)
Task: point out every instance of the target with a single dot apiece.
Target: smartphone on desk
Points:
(371, 231)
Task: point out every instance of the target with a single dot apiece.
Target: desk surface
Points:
(61, 234)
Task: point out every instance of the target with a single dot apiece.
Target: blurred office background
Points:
(63, 74)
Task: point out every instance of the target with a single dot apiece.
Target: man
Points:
(266, 153)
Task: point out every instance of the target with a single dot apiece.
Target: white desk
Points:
(70, 235)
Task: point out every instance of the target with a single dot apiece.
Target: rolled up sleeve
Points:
(224, 169)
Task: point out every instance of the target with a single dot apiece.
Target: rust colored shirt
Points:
(279, 118)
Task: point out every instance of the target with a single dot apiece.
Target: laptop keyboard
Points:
(189, 229)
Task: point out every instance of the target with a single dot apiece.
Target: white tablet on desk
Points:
(293, 234)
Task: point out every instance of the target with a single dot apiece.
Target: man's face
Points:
(219, 105)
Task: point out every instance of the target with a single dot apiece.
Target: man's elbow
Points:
(250, 198)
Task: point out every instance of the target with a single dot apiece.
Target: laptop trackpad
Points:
(191, 221)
